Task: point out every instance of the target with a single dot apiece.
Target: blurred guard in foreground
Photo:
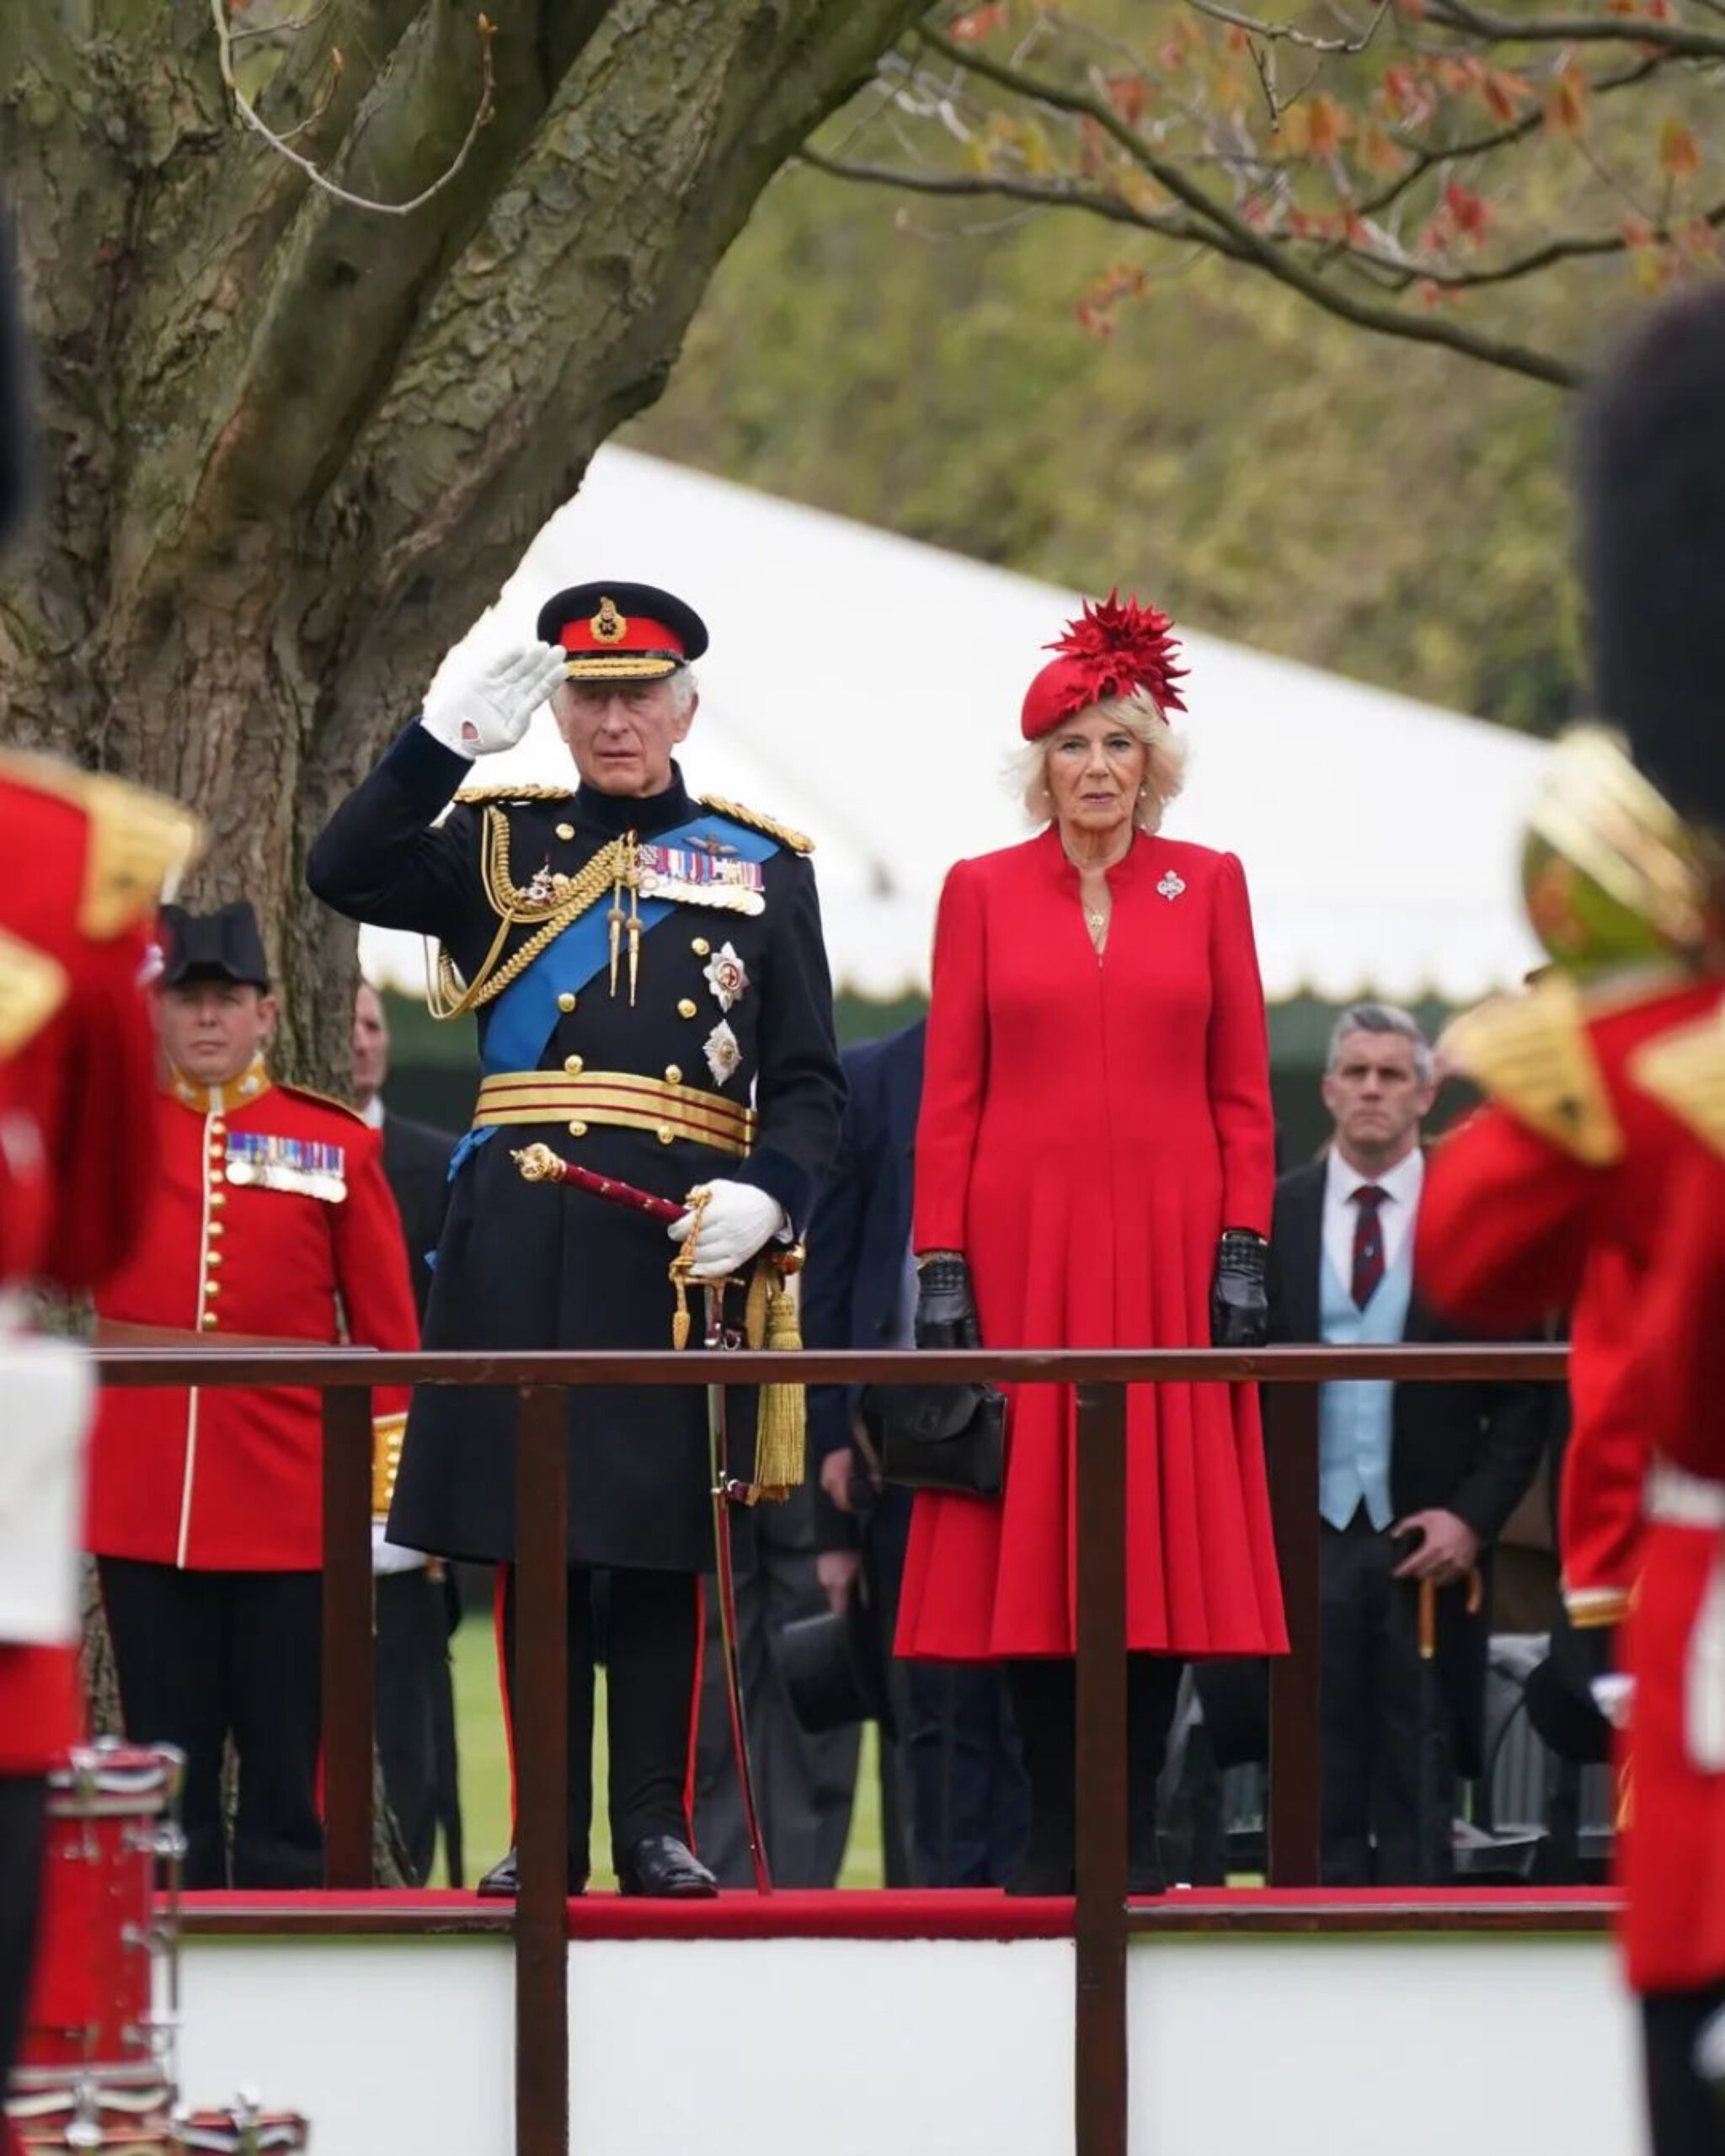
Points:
(1595, 1180)
(87, 858)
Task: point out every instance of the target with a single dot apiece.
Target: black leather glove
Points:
(1239, 1297)
(946, 1309)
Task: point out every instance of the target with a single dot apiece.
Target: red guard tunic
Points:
(272, 1220)
(1540, 1202)
(1089, 1127)
(1674, 1866)
(87, 859)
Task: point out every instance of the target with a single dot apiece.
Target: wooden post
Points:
(1296, 1766)
(349, 1656)
(541, 1725)
(1099, 1918)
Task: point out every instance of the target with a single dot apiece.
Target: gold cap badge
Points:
(607, 625)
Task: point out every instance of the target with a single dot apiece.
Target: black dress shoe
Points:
(503, 1883)
(661, 1866)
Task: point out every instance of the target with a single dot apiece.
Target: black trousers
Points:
(203, 1658)
(1382, 1725)
(23, 1818)
(1045, 1703)
(1685, 2114)
(649, 1641)
(416, 1715)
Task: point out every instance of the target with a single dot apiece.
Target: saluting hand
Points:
(477, 711)
(739, 1220)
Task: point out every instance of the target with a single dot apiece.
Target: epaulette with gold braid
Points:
(798, 842)
(1532, 1054)
(32, 988)
(1684, 1071)
(137, 839)
(323, 1100)
(472, 793)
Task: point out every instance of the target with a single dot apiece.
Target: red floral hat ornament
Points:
(1115, 647)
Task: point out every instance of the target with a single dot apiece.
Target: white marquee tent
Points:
(865, 688)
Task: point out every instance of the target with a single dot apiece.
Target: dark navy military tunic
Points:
(530, 1266)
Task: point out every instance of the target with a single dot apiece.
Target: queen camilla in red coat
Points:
(1095, 1163)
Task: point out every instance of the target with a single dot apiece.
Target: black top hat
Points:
(622, 631)
(833, 1667)
(221, 946)
(1652, 469)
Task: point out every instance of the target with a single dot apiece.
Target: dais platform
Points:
(1310, 2023)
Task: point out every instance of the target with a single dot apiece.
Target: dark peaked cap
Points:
(1653, 499)
(221, 946)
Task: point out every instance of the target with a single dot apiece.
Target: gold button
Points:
(573, 1065)
(218, 1129)
(209, 1320)
(565, 830)
(218, 1198)
(213, 1257)
(665, 1134)
(673, 1073)
(216, 1228)
(577, 1130)
(701, 946)
(686, 1009)
(216, 1152)
(212, 1287)
(565, 1002)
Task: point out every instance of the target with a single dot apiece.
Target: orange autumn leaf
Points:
(1378, 153)
(977, 24)
(1130, 96)
(1679, 153)
(1327, 125)
(1566, 101)
(1504, 95)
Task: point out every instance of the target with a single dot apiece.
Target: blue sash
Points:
(524, 1016)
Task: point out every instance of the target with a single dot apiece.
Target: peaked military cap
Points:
(221, 946)
(622, 631)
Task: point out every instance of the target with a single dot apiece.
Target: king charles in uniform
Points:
(1594, 1178)
(272, 1223)
(650, 986)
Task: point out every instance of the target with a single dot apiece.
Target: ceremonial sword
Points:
(540, 1164)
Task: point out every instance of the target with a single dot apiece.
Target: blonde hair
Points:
(1137, 714)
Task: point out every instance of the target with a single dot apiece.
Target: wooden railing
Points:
(346, 1376)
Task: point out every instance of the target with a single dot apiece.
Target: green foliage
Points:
(1390, 512)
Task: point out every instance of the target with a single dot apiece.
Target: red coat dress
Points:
(272, 1217)
(1089, 1127)
(77, 1057)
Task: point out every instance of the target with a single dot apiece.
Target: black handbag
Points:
(940, 1436)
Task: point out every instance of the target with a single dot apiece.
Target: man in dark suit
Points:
(414, 1597)
(953, 1786)
(1415, 1481)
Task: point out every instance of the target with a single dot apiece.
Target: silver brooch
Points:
(727, 976)
(1171, 886)
(723, 1053)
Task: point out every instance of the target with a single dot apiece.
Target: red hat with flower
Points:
(1115, 647)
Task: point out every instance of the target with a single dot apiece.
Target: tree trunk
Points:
(292, 447)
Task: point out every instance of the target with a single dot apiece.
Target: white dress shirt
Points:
(1400, 1186)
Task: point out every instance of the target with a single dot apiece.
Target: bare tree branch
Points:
(1245, 243)
(1287, 33)
(1674, 37)
(282, 144)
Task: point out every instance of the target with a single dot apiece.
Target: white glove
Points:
(477, 712)
(739, 1220)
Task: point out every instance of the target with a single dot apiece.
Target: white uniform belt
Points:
(1674, 1497)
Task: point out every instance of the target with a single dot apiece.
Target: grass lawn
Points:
(484, 1770)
